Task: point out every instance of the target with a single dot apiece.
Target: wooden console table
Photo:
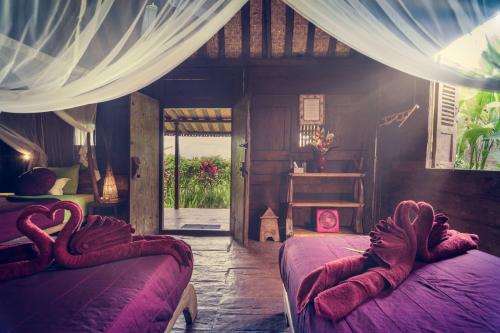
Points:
(357, 204)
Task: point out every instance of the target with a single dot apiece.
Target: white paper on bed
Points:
(56, 55)
(436, 40)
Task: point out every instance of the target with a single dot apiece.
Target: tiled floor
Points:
(175, 219)
(239, 289)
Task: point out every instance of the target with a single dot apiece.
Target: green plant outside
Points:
(195, 191)
(478, 130)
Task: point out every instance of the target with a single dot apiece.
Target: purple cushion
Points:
(35, 182)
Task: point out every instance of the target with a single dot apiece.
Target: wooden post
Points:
(176, 171)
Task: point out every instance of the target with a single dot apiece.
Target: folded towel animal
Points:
(99, 233)
(341, 285)
(435, 241)
(338, 287)
(88, 251)
(27, 264)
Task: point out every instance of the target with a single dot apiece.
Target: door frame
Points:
(161, 124)
(245, 169)
(132, 100)
(184, 232)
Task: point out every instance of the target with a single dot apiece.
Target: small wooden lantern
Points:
(269, 226)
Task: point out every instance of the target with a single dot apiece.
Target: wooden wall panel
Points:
(186, 86)
(264, 139)
(275, 128)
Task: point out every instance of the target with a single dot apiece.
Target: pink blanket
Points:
(338, 287)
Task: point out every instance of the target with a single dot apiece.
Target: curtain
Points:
(452, 41)
(33, 154)
(83, 119)
(47, 131)
(59, 54)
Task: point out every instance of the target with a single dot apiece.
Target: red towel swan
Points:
(104, 240)
(338, 287)
(434, 238)
(27, 261)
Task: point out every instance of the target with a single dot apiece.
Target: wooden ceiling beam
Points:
(222, 43)
(202, 51)
(198, 134)
(245, 30)
(331, 47)
(289, 31)
(311, 30)
(266, 29)
(186, 120)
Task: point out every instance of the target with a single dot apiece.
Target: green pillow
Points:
(68, 172)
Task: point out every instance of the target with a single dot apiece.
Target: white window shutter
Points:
(446, 126)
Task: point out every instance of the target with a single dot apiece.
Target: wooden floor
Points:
(239, 289)
(176, 219)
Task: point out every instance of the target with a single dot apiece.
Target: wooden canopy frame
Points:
(92, 168)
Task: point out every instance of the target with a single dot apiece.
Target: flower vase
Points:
(321, 163)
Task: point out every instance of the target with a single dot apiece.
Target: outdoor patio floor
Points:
(196, 219)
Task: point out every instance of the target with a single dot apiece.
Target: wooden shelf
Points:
(328, 175)
(333, 204)
(327, 200)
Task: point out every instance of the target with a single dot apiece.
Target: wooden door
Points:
(145, 200)
(240, 171)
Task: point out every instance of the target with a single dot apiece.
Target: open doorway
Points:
(197, 170)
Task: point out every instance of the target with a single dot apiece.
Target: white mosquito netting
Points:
(32, 152)
(60, 54)
(452, 41)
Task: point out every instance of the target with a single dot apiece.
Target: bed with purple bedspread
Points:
(134, 295)
(461, 294)
(10, 211)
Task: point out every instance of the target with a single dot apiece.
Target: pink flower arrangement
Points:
(320, 142)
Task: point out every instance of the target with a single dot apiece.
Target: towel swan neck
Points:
(43, 242)
(435, 241)
(394, 239)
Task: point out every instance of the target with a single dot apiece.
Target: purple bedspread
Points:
(134, 295)
(461, 294)
(10, 211)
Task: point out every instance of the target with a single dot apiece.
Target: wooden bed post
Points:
(176, 171)
(92, 168)
(188, 306)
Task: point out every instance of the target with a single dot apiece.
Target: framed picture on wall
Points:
(312, 109)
